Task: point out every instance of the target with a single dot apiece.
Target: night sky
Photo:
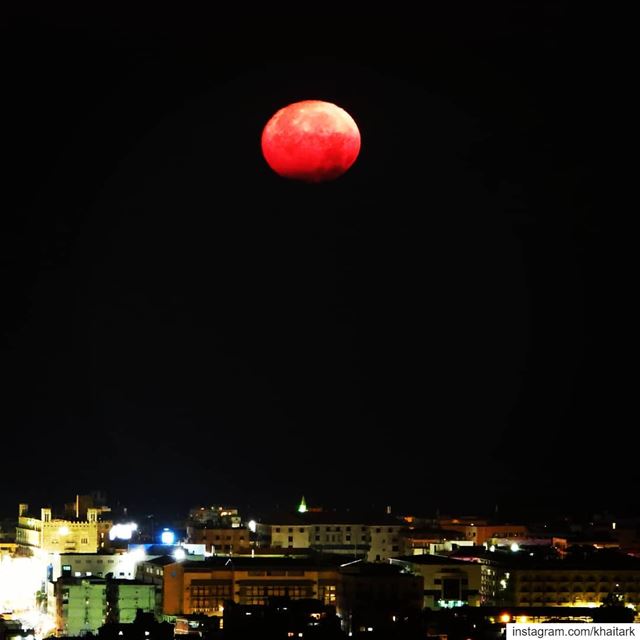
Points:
(436, 329)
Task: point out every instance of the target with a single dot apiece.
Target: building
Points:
(83, 605)
(379, 597)
(45, 533)
(480, 531)
(126, 597)
(453, 583)
(215, 517)
(78, 604)
(575, 582)
(220, 540)
(99, 565)
(152, 571)
(203, 587)
(374, 538)
(419, 541)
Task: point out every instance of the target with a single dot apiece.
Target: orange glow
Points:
(505, 617)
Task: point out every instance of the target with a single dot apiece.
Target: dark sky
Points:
(438, 328)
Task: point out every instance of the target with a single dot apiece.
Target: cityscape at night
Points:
(310, 326)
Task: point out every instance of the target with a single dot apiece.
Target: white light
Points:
(515, 547)
(138, 555)
(63, 530)
(613, 525)
(492, 548)
(252, 525)
(122, 531)
(179, 554)
(167, 537)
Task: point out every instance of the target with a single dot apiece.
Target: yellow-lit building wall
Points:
(580, 588)
(50, 535)
(188, 591)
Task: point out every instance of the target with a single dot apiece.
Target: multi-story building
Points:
(126, 597)
(480, 531)
(46, 533)
(419, 541)
(83, 605)
(78, 604)
(379, 597)
(100, 565)
(584, 582)
(220, 540)
(453, 583)
(374, 538)
(215, 516)
(203, 587)
(153, 571)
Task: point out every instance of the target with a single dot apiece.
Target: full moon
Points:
(312, 140)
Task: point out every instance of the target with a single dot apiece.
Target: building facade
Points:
(45, 533)
(220, 540)
(453, 583)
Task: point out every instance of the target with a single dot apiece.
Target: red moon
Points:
(311, 140)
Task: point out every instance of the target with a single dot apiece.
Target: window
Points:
(290, 529)
(301, 529)
(277, 529)
(348, 538)
(290, 538)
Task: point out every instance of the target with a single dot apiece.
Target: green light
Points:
(302, 508)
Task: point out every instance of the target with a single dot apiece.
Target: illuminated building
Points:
(85, 565)
(85, 532)
(83, 605)
(152, 571)
(80, 605)
(214, 516)
(203, 587)
(224, 540)
(579, 583)
(374, 538)
(419, 541)
(126, 597)
(480, 531)
(453, 583)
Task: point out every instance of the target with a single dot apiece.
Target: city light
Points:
(505, 617)
(63, 530)
(167, 536)
(138, 554)
(179, 554)
(515, 547)
(252, 526)
(122, 531)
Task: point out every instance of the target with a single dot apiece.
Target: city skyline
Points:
(442, 326)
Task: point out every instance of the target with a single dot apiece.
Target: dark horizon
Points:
(441, 325)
